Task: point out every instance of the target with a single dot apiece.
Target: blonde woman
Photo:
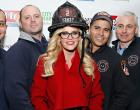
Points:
(60, 82)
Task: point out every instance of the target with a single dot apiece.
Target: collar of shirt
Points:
(121, 50)
(42, 44)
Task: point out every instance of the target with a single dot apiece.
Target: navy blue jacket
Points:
(20, 64)
(3, 104)
(114, 82)
(132, 57)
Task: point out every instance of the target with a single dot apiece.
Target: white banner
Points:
(47, 7)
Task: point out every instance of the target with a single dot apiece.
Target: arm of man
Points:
(16, 80)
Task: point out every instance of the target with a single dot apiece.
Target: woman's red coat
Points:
(65, 88)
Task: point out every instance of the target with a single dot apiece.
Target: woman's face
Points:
(70, 37)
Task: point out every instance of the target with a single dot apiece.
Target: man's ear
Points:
(6, 26)
(137, 30)
(20, 26)
(19, 23)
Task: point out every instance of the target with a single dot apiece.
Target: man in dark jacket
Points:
(22, 57)
(3, 28)
(128, 46)
(116, 85)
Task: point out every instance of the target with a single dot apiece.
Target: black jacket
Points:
(132, 57)
(20, 64)
(114, 82)
(3, 103)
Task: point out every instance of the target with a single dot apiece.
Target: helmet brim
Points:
(82, 26)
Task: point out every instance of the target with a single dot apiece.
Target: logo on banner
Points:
(12, 17)
(47, 17)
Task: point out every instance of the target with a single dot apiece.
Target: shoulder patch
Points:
(133, 60)
(103, 65)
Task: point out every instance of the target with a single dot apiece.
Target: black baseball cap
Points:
(102, 15)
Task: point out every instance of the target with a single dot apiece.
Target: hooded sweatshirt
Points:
(20, 64)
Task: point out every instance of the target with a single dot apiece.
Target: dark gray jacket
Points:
(20, 64)
(116, 85)
(132, 57)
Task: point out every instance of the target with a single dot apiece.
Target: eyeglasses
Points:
(2, 24)
(65, 35)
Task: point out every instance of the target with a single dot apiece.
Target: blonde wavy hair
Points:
(53, 50)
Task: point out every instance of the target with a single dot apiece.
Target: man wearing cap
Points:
(114, 82)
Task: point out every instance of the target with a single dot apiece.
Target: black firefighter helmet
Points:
(67, 15)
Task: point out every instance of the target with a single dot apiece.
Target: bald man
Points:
(21, 58)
